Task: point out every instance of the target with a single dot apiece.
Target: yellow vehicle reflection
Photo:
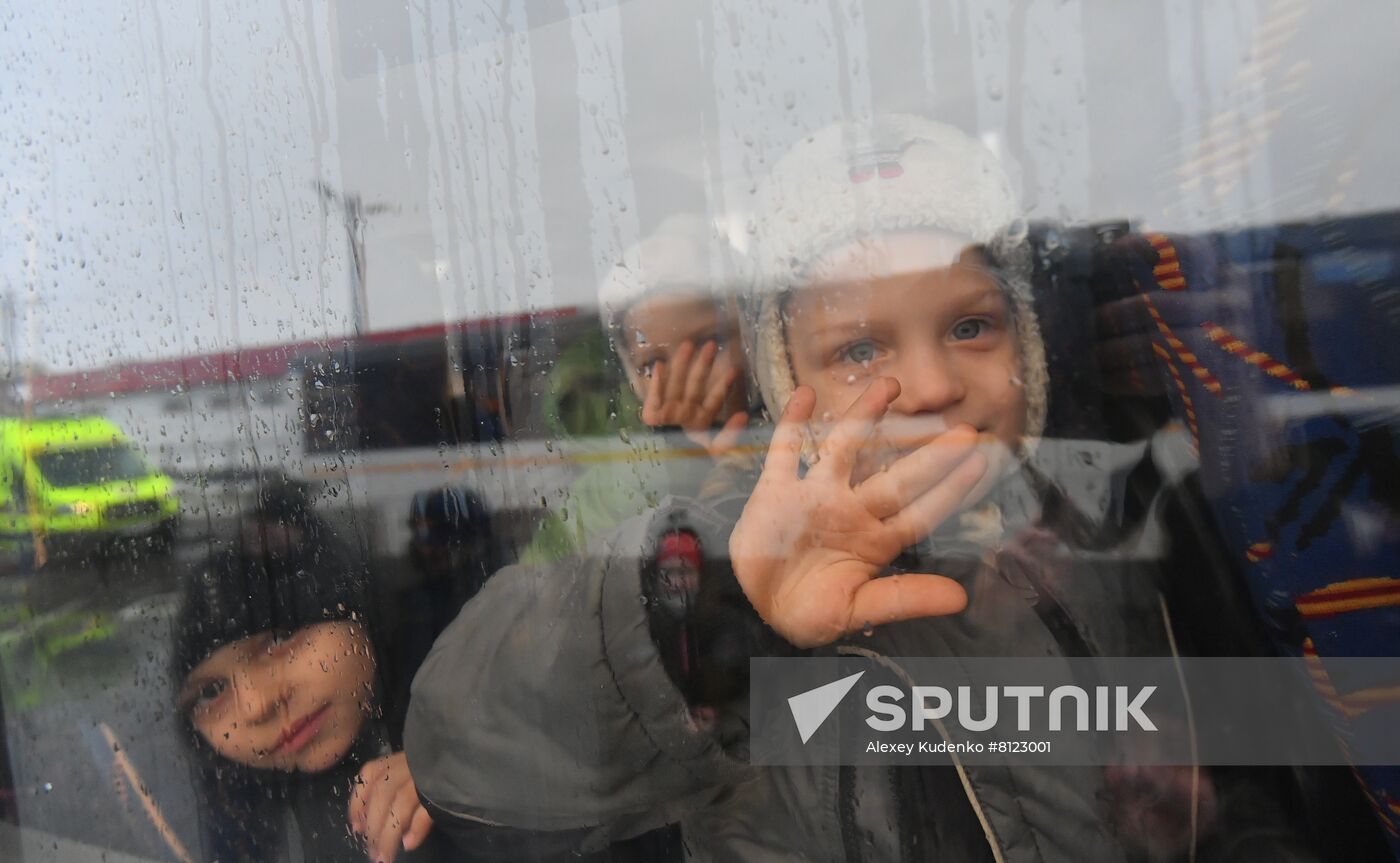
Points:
(80, 482)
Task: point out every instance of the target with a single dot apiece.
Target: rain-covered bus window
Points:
(700, 430)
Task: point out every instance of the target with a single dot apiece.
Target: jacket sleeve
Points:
(546, 706)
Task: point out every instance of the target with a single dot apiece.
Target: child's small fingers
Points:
(680, 370)
(728, 437)
(390, 838)
(844, 441)
(656, 389)
(374, 770)
(891, 490)
(418, 829)
(908, 596)
(383, 852)
(926, 512)
(699, 372)
(718, 392)
(362, 790)
(355, 810)
(378, 817)
(785, 448)
(386, 849)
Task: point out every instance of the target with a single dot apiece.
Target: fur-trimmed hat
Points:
(850, 182)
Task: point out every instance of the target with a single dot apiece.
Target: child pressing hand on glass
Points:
(670, 309)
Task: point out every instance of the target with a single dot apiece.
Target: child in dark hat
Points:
(276, 668)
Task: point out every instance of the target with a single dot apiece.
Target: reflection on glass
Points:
(452, 346)
(96, 465)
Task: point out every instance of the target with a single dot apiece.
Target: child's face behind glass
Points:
(654, 328)
(923, 309)
(295, 703)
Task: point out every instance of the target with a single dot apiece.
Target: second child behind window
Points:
(668, 312)
(669, 308)
(280, 688)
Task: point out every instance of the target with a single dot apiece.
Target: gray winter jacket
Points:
(545, 707)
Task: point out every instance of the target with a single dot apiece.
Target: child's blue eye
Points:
(969, 329)
(859, 352)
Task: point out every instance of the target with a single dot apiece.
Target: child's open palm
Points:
(690, 392)
(808, 551)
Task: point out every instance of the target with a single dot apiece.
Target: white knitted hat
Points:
(848, 183)
(685, 254)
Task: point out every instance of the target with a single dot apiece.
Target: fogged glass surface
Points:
(414, 417)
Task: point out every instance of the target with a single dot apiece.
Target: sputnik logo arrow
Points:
(811, 708)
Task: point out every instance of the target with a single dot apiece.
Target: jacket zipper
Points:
(846, 809)
(997, 854)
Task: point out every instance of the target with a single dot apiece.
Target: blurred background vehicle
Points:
(76, 483)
